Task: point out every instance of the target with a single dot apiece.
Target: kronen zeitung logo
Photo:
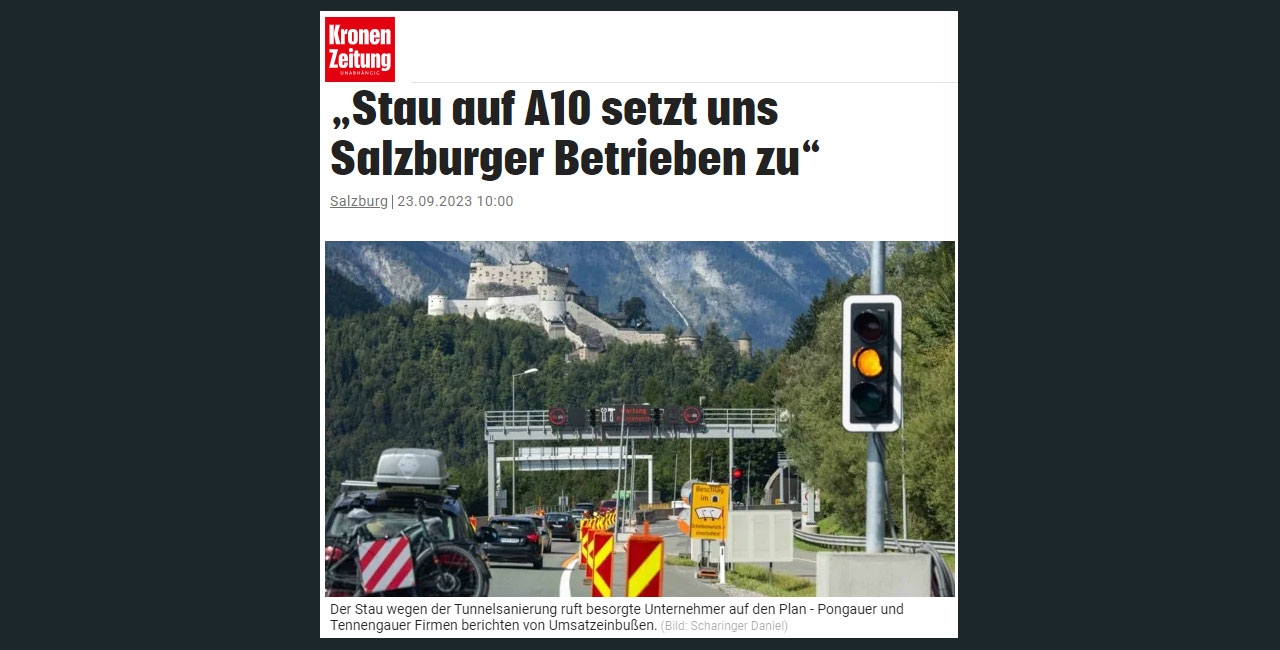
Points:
(360, 49)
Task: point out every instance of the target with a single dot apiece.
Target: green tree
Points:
(809, 388)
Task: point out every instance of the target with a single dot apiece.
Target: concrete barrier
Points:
(874, 574)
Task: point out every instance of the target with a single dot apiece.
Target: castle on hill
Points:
(543, 294)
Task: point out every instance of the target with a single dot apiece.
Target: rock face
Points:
(753, 287)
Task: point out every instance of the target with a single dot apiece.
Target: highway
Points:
(556, 579)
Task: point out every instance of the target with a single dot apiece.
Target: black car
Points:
(563, 525)
(394, 508)
(512, 538)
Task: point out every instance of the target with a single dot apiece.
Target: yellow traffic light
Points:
(873, 377)
(868, 362)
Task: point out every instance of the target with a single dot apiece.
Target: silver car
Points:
(543, 532)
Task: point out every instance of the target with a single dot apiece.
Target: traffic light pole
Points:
(730, 508)
(875, 462)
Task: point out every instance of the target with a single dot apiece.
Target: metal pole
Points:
(512, 504)
(622, 437)
(700, 398)
(748, 484)
(650, 499)
(875, 462)
(631, 491)
(903, 437)
(493, 496)
(730, 470)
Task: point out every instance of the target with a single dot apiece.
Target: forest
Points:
(395, 377)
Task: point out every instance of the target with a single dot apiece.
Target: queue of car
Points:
(418, 474)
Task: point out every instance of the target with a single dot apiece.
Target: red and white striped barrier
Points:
(386, 564)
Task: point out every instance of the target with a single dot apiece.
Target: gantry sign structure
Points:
(617, 423)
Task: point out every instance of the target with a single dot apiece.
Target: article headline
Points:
(563, 109)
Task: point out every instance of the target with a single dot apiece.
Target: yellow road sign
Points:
(709, 518)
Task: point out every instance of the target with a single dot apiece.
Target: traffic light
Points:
(735, 487)
(655, 417)
(872, 399)
(593, 417)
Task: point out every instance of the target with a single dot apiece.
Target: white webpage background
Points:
(878, 91)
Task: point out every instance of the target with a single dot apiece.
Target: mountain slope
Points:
(756, 287)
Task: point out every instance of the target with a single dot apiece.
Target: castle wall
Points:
(466, 307)
(573, 336)
(527, 290)
(527, 275)
(607, 329)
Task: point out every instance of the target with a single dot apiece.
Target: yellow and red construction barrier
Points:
(602, 564)
(644, 564)
(588, 547)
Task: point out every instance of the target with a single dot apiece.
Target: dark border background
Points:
(250, 401)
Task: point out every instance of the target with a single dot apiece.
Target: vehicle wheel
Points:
(450, 571)
(537, 564)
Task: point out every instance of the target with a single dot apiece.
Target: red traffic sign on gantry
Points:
(692, 415)
(557, 417)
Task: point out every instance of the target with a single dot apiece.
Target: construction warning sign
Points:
(709, 518)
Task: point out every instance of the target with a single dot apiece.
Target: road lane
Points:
(553, 580)
(515, 580)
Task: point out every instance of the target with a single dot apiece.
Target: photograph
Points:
(674, 419)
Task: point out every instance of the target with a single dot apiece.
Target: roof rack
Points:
(454, 491)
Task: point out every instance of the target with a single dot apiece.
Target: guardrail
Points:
(516, 418)
(861, 542)
(739, 416)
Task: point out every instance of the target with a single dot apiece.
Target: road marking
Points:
(565, 575)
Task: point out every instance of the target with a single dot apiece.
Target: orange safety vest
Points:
(473, 522)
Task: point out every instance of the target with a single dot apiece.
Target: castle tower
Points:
(744, 344)
(551, 298)
(689, 339)
(435, 303)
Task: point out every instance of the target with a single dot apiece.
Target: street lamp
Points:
(513, 442)
(513, 385)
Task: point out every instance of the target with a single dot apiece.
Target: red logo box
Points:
(359, 49)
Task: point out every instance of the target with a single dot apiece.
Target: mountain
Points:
(756, 287)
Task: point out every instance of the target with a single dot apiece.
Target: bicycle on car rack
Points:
(417, 561)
